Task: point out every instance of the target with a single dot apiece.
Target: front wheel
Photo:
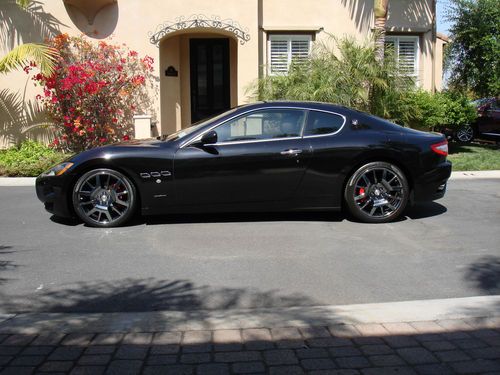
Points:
(377, 193)
(104, 198)
(465, 134)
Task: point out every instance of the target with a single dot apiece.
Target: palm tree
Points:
(380, 8)
(42, 55)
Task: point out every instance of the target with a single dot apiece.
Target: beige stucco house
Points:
(208, 53)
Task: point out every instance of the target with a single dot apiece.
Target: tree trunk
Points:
(380, 8)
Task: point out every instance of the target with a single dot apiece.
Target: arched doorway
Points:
(199, 72)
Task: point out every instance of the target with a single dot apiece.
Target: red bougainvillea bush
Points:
(94, 92)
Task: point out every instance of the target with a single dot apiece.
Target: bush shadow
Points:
(485, 274)
(168, 304)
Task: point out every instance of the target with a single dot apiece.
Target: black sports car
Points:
(268, 156)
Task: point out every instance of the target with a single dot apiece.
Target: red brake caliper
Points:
(362, 192)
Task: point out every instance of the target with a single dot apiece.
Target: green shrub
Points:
(459, 110)
(427, 111)
(346, 72)
(29, 159)
(341, 71)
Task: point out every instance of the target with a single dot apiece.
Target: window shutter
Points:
(279, 56)
(406, 51)
(283, 49)
(300, 50)
(407, 56)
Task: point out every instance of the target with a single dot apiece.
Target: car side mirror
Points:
(209, 138)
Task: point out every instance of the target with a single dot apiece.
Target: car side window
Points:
(262, 125)
(322, 123)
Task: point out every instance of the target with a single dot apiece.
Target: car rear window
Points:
(319, 123)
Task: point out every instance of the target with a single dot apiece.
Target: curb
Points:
(468, 175)
(471, 175)
(17, 181)
(482, 308)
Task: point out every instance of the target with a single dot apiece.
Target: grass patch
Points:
(28, 160)
(474, 157)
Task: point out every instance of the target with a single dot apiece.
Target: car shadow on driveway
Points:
(420, 211)
(424, 210)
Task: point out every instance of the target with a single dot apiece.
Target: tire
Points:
(465, 134)
(104, 198)
(377, 192)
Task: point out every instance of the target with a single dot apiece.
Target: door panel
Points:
(240, 173)
(209, 59)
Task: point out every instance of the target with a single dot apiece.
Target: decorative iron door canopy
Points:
(199, 21)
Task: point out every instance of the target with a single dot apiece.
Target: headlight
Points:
(58, 169)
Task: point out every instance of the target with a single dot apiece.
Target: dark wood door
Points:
(209, 60)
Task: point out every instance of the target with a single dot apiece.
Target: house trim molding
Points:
(199, 21)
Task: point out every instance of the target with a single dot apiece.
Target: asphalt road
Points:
(450, 248)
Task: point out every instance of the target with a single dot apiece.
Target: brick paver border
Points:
(453, 346)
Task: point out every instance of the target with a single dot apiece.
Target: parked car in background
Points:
(487, 125)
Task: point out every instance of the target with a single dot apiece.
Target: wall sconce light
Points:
(171, 72)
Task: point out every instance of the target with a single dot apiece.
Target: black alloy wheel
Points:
(465, 134)
(377, 193)
(104, 198)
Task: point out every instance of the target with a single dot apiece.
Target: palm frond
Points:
(35, 117)
(23, 3)
(30, 23)
(342, 71)
(20, 119)
(21, 56)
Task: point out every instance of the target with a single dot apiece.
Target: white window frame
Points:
(289, 38)
(414, 38)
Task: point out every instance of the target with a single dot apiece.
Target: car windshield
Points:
(480, 102)
(198, 125)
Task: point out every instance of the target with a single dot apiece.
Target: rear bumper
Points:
(52, 192)
(432, 184)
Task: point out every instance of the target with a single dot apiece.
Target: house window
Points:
(406, 49)
(283, 49)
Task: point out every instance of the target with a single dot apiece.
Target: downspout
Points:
(434, 36)
(261, 41)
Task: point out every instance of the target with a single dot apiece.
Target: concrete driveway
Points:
(449, 248)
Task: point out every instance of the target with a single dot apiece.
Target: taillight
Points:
(440, 148)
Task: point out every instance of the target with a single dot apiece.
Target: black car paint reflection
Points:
(270, 156)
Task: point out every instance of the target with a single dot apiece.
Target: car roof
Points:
(293, 103)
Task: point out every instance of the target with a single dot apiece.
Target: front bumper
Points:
(52, 191)
(432, 184)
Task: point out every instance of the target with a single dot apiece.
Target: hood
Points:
(137, 143)
(121, 149)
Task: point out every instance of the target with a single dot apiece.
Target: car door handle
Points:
(291, 152)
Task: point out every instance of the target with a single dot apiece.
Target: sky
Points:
(442, 25)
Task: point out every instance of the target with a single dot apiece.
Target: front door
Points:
(209, 60)
(259, 157)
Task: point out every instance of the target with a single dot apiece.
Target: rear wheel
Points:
(377, 193)
(104, 198)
